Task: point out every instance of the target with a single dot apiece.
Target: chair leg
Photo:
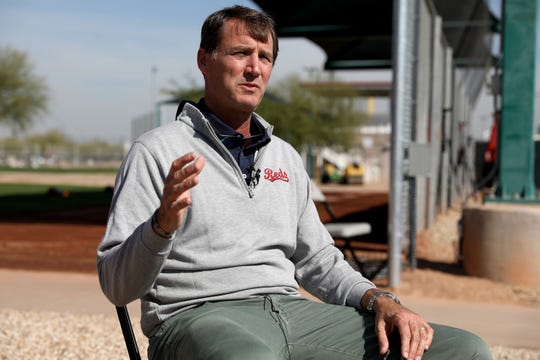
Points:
(361, 265)
(127, 331)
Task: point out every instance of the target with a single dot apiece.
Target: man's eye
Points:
(266, 59)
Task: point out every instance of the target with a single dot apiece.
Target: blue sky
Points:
(97, 57)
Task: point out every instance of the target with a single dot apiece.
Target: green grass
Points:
(28, 199)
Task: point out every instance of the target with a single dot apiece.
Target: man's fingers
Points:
(426, 332)
(418, 341)
(426, 336)
(415, 345)
(190, 169)
(190, 179)
(422, 343)
(181, 191)
(182, 170)
(180, 163)
(382, 337)
(182, 177)
(185, 185)
(415, 333)
(188, 176)
(181, 203)
(429, 337)
(198, 164)
(406, 337)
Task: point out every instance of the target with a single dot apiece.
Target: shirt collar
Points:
(232, 138)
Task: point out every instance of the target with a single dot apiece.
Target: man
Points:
(213, 228)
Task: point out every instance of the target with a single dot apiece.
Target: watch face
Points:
(374, 297)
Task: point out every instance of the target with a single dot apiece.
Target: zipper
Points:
(227, 154)
(256, 160)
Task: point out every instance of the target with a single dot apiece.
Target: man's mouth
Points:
(250, 85)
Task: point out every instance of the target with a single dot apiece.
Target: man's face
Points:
(237, 73)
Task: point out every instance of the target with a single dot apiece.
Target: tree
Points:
(302, 115)
(100, 150)
(192, 92)
(312, 115)
(23, 94)
(50, 141)
(57, 147)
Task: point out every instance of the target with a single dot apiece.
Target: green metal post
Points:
(516, 145)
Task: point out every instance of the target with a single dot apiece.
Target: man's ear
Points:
(202, 59)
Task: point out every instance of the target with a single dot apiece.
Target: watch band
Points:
(158, 229)
(374, 297)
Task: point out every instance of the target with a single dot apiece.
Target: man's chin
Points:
(249, 105)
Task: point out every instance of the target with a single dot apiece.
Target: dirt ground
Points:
(68, 241)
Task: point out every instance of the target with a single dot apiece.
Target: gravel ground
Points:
(29, 335)
(26, 335)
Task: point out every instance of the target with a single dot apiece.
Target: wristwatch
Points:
(158, 229)
(374, 297)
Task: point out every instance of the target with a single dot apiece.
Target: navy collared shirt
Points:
(243, 149)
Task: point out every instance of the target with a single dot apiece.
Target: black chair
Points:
(348, 237)
(127, 331)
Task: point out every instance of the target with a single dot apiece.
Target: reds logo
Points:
(271, 175)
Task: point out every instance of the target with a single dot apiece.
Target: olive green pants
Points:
(283, 327)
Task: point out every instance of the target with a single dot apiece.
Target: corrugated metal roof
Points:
(358, 34)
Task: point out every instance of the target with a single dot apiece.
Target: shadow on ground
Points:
(57, 206)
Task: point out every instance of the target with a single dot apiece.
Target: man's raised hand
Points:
(182, 176)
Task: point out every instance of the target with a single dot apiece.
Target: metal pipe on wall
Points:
(401, 112)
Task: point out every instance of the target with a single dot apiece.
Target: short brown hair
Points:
(258, 24)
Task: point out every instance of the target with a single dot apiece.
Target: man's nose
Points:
(253, 66)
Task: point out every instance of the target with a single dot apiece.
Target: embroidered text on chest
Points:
(272, 175)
